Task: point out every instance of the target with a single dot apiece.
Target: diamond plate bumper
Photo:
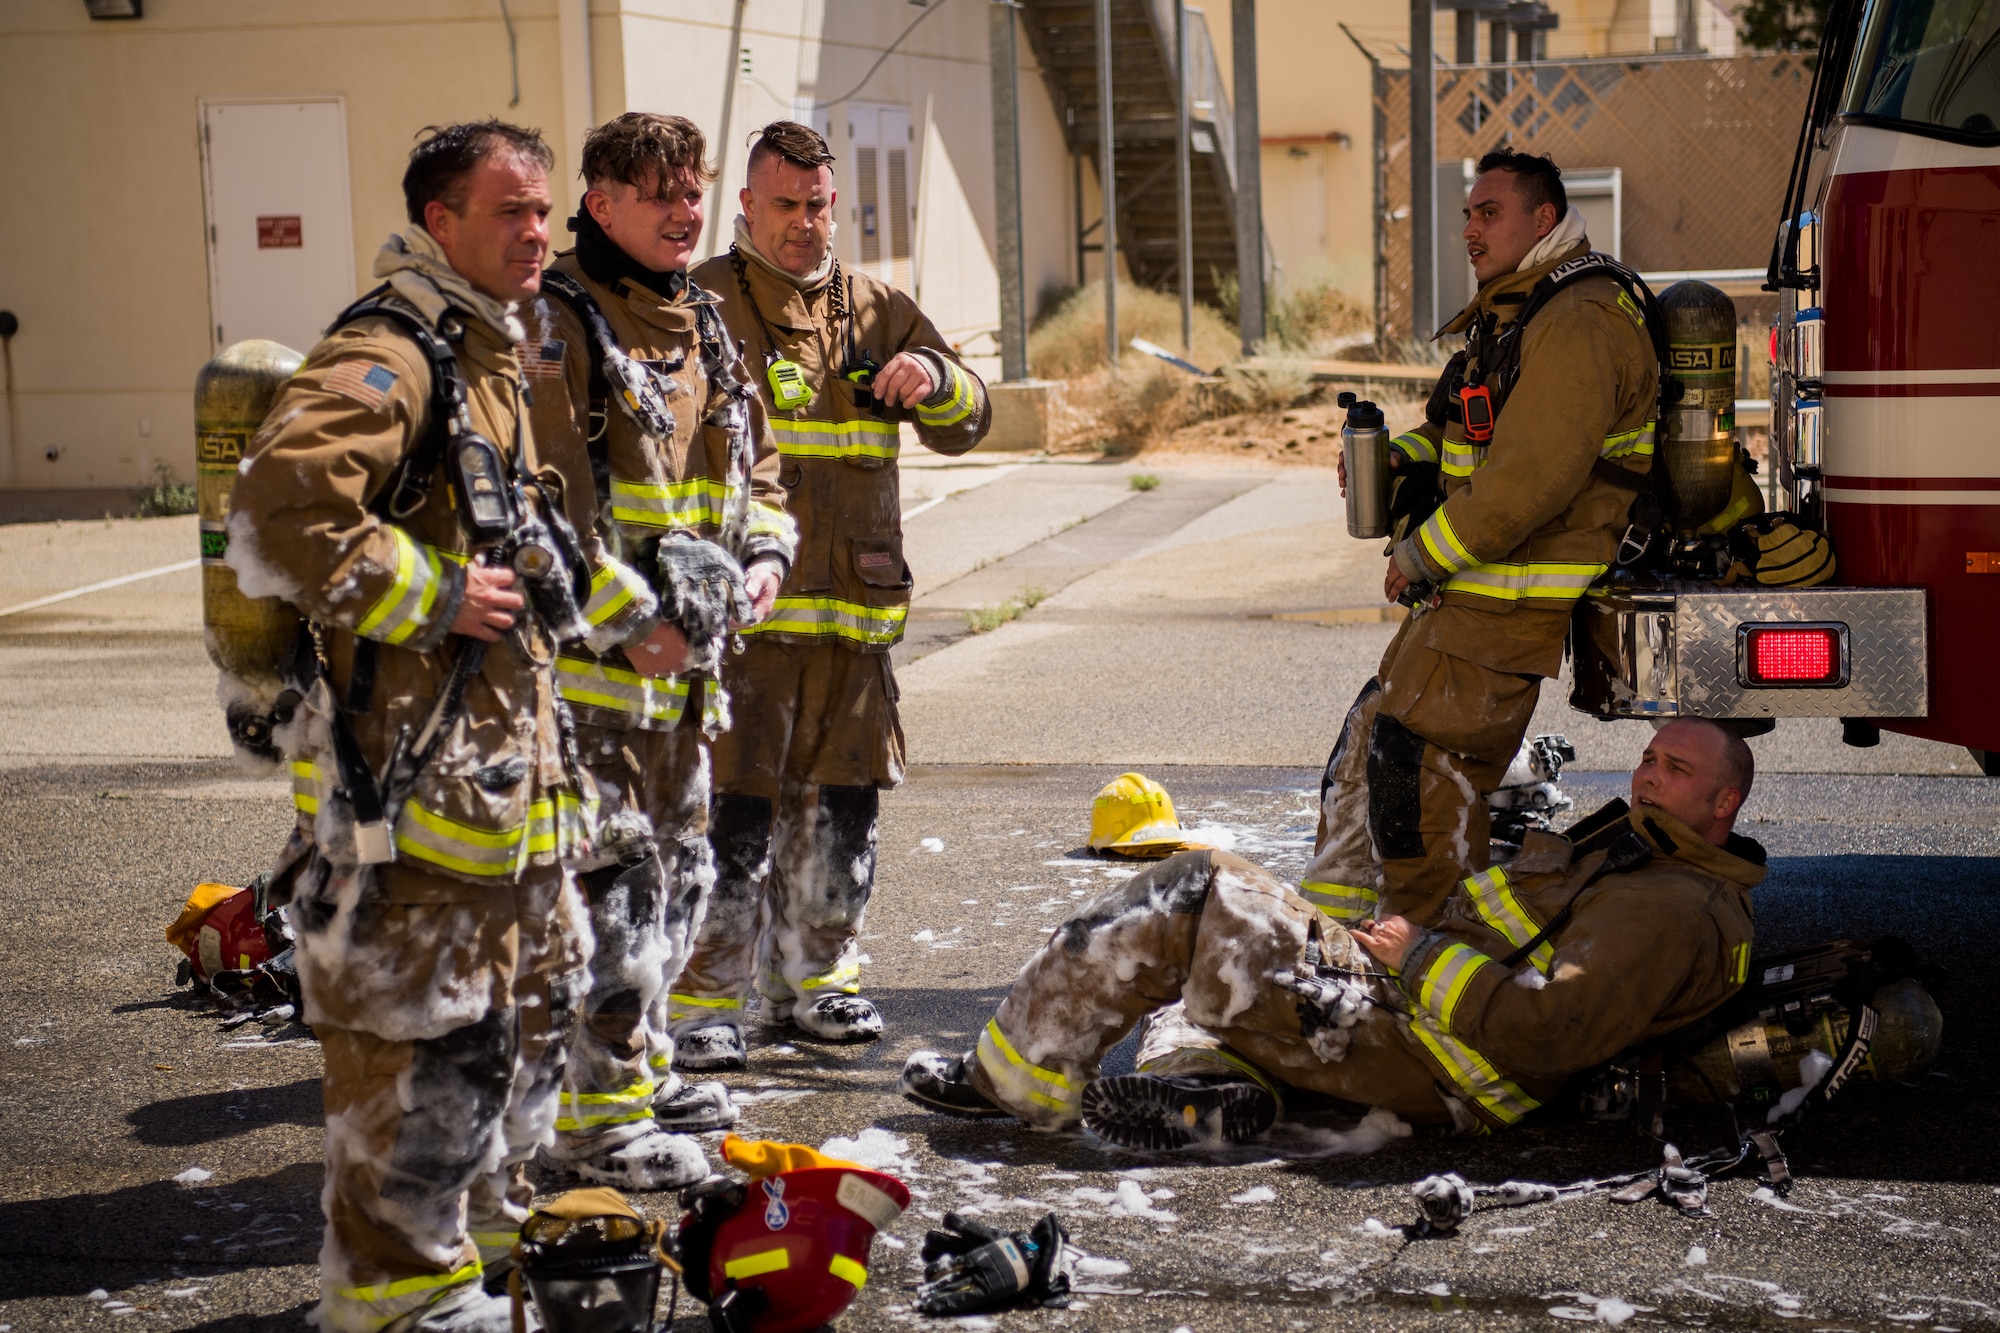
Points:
(1671, 651)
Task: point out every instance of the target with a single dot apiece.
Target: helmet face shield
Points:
(591, 1264)
(612, 1300)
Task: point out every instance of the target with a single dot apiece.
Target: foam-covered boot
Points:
(938, 1082)
(696, 1108)
(839, 1018)
(717, 1046)
(1152, 1112)
(475, 1311)
(656, 1160)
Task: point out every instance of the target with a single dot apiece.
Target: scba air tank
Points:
(248, 638)
(1762, 1061)
(1697, 447)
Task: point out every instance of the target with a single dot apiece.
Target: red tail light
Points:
(1793, 655)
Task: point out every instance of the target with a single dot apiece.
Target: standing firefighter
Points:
(634, 373)
(1541, 430)
(841, 359)
(393, 496)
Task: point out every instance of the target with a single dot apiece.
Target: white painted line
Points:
(100, 587)
(993, 474)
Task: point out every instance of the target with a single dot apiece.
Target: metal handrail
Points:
(1208, 96)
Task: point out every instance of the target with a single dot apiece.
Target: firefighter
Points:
(1568, 955)
(634, 374)
(1530, 518)
(438, 946)
(840, 359)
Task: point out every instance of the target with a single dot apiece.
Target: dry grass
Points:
(1070, 341)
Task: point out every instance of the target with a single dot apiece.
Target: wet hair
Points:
(643, 146)
(1537, 179)
(800, 145)
(446, 154)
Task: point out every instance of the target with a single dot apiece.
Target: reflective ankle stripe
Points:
(1442, 983)
(834, 618)
(412, 594)
(835, 439)
(1497, 1097)
(1229, 1060)
(696, 502)
(366, 1309)
(844, 977)
(1345, 903)
(955, 408)
(1493, 898)
(680, 1007)
(576, 1111)
(1021, 1081)
(592, 684)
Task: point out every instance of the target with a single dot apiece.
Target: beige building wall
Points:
(103, 218)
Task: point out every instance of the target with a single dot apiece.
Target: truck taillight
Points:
(1792, 655)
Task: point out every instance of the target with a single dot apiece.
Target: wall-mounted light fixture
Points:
(115, 9)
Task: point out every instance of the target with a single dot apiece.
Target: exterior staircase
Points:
(1063, 34)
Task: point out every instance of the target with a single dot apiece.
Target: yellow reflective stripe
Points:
(560, 825)
(406, 606)
(680, 1006)
(834, 439)
(955, 409)
(580, 680)
(632, 1102)
(768, 520)
(305, 786)
(1461, 458)
(1415, 445)
(845, 1268)
(1444, 980)
(429, 836)
(1342, 902)
(1447, 552)
(1539, 580)
(1470, 1071)
(843, 976)
(612, 589)
(835, 618)
(680, 504)
(1016, 1077)
(1740, 972)
(383, 1303)
(1493, 898)
(494, 1245)
(1214, 1055)
(754, 1265)
(1630, 444)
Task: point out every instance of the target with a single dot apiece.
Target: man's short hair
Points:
(1537, 178)
(446, 154)
(643, 149)
(1739, 765)
(800, 145)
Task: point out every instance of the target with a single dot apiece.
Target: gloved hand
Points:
(1328, 1007)
(1778, 552)
(1415, 490)
(701, 590)
(969, 1266)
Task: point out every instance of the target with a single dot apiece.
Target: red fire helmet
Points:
(794, 1252)
(219, 931)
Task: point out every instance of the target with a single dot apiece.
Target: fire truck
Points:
(1885, 416)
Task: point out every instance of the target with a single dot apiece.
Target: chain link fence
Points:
(1703, 146)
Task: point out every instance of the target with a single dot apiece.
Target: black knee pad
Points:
(1346, 736)
(458, 1084)
(1395, 802)
(845, 834)
(739, 831)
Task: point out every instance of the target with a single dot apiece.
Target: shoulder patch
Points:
(543, 360)
(366, 382)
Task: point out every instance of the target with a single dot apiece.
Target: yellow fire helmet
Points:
(1134, 816)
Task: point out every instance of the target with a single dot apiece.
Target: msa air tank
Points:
(1697, 446)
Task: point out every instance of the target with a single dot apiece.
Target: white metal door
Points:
(883, 179)
(280, 227)
(1295, 207)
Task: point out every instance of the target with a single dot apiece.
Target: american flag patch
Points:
(543, 361)
(364, 381)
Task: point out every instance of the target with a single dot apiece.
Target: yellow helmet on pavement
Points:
(1134, 816)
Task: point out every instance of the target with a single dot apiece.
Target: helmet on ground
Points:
(787, 1251)
(1134, 816)
(591, 1263)
(220, 931)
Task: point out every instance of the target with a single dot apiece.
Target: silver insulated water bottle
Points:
(1364, 444)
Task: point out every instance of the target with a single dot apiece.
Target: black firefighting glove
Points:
(701, 589)
(969, 1266)
(1415, 491)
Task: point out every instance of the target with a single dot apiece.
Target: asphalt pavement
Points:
(159, 1169)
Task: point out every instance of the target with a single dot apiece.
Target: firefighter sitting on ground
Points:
(1570, 954)
(437, 940)
(1530, 517)
(839, 359)
(636, 380)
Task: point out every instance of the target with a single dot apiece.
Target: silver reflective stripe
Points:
(693, 503)
(1022, 1081)
(595, 685)
(1493, 898)
(834, 617)
(1343, 902)
(834, 439)
(1533, 581)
